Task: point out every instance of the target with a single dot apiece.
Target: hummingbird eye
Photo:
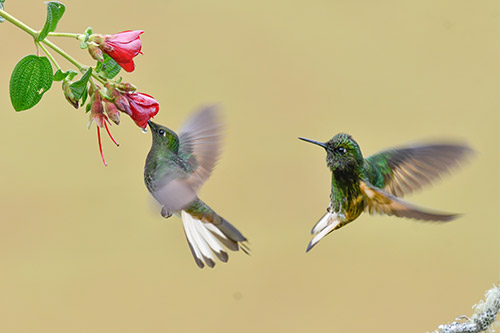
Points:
(161, 132)
(341, 150)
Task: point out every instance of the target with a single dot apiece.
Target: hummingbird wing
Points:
(167, 182)
(381, 202)
(403, 170)
(200, 142)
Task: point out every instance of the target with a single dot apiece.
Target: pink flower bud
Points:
(112, 112)
(95, 52)
(97, 111)
(68, 94)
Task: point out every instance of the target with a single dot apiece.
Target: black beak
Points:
(152, 125)
(315, 142)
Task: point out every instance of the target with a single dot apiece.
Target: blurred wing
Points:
(170, 187)
(200, 141)
(381, 202)
(402, 171)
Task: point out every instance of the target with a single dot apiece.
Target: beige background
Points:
(83, 249)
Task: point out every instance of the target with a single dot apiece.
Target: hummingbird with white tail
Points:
(176, 167)
(377, 183)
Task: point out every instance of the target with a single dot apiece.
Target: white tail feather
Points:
(324, 226)
(203, 242)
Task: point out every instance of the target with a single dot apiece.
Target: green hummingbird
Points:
(375, 184)
(176, 167)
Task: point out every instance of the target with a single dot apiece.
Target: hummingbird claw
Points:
(165, 213)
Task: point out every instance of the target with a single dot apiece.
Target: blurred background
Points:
(84, 249)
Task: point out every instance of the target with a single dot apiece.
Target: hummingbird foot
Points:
(165, 213)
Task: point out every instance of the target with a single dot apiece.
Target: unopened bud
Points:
(95, 52)
(68, 94)
(97, 111)
(112, 111)
(98, 39)
(126, 86)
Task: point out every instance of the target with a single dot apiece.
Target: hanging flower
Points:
(142, 107)
(122, 47)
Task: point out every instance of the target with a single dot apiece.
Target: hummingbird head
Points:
(342, 152)
(164, 138)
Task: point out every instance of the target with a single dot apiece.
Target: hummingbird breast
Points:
(346, 198)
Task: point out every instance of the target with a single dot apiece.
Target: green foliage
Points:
(87, 33)
(60, 75)
(79, 88)
(2, 7)
(108, 68)
(55, 11)
(30, 79)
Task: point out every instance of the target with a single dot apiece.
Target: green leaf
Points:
(87, 107)
(60, 75)
(109, 67)
(55, 11)
(30, 79)
(2, 7)
(84, 96)
(79, 87)
(84, 43)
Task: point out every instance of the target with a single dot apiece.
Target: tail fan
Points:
(207, 241)
(328, 223)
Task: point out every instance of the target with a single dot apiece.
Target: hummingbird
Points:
(376, 184)
(176, 167)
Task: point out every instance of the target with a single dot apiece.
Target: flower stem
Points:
(64, 34)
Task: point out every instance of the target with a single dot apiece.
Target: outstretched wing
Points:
(200, 142)
(381, 202)
(404, 170)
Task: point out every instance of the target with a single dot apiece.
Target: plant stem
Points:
(49, 55)
(64, 34)
(61, 52)
(53, 46)
(18, 23)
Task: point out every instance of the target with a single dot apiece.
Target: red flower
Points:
(123, 47)
(142, 108)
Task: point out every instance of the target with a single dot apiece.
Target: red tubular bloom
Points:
(123, 47)
(142, 107)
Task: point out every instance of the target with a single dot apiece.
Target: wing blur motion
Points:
(381, 202)
(200, 143)
(404, 170)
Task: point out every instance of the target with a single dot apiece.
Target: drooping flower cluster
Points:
(106, 104)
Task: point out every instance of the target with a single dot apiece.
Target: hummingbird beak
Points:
(152, 125)
(315, 142)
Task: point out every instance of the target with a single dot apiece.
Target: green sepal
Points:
(30, 79)
(60, 75)
(108, 68)
(85, 95)
(2, 7)
(55, 11)
(87, 33)
(87, 107)
(78, 88)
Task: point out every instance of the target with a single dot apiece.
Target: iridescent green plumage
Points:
(176, 167)
(375, 184)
